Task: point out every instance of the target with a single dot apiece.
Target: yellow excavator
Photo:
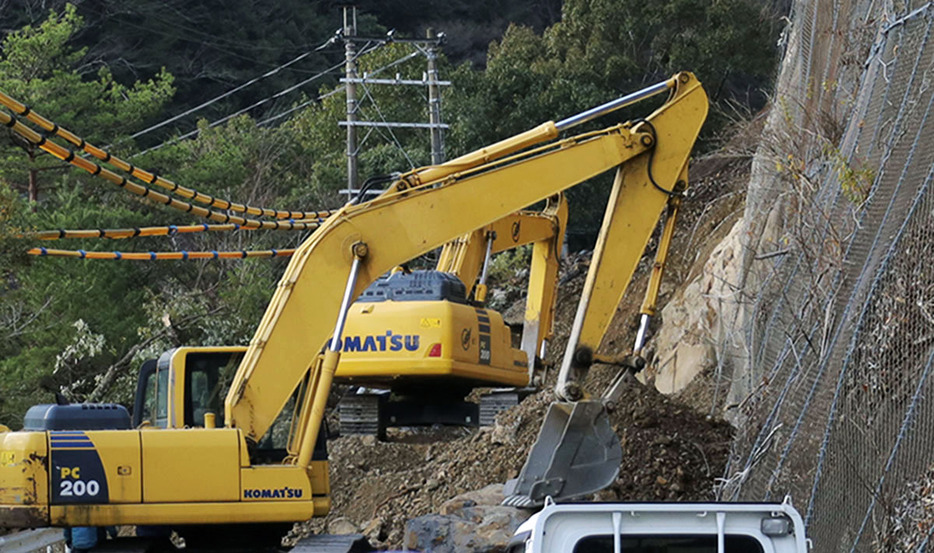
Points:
(428, 337)
(79, 466)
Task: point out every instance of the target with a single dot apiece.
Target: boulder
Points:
(473, 522)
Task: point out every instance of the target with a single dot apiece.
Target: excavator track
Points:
(372, 414)
(327, 543)
(496, 402)
(324, 543)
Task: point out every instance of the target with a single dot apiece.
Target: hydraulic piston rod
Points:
(614, 105)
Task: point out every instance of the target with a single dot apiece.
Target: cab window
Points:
(208, 376)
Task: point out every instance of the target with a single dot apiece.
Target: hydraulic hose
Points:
(151, 178)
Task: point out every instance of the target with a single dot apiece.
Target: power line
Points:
(337, 90)
(394, 139)
(222, 96)
(226, 118)
(219, 43)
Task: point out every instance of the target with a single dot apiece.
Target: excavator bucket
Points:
(576, 453)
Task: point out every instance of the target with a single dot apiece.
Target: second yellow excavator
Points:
(429, 339)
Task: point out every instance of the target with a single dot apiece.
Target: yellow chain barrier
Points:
(68, 156)
(160, 256)
(151, 178)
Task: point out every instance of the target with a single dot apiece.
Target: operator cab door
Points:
(183, 385)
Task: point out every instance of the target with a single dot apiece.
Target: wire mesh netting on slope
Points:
(835, 337)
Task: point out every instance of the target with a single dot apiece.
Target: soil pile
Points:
(670, 453)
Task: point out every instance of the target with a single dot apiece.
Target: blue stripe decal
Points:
(484, 328)
(73, 445)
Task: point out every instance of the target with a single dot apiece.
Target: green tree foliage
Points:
(601, 50)
(728, 44)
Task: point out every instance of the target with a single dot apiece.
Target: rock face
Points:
(698, 317)
(473, 522)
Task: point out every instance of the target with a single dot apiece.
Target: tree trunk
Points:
(32, 188)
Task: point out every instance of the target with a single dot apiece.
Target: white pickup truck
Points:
(662, 528)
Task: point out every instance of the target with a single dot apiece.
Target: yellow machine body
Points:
(154, 476)
(457, 340)
(398, 341)
(168, 472)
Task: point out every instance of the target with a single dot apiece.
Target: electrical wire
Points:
(160, 256)
(150, 177)
(233, 90)
(69, 156)
(336, 90)
(392, 135)
(230, 92)
(226, 49)
(275, 96)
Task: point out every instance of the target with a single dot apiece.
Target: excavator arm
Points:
(429, 207)
(468, 257)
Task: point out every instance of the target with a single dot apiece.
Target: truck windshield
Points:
(668, 544)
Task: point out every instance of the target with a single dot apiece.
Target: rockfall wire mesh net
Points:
(834, 339)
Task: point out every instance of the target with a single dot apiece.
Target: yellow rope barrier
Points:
(117, 234)
(68, 156)
(151, 178)
(160, 256)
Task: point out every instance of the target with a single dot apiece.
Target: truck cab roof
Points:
(662, 528)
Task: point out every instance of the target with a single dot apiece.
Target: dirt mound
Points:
(669, 453)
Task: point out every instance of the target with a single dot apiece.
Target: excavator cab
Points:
(185, 387)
